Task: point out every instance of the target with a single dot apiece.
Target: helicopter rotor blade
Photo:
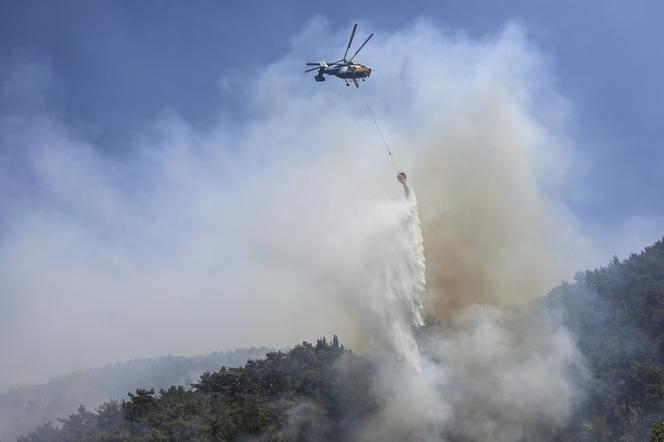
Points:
(313, 64)
(312, 69)
(356, 52)
(352, 34)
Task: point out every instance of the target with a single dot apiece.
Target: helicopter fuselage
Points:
(345, 72)
(351, 71)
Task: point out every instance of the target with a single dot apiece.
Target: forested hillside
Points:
(322, 391)
(617, 314)
(308, 392)
(23, 408)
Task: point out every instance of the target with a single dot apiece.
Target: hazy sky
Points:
(151, 194)
(118, 64)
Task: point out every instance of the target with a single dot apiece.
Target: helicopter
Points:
(344, 68)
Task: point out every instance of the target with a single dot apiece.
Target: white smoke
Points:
(488, 374)
(292, 225)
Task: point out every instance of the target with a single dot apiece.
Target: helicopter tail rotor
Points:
(320, 65)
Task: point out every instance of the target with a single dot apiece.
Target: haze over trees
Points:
(617, 314)
(323, 391)
(23, 408)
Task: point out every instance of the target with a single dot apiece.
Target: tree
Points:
(657, 432)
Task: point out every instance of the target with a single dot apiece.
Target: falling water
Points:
(392, 279)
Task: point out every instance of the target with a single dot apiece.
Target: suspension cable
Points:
(380, 132)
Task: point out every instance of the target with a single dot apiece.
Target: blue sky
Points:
(172, 159)
(118, 64)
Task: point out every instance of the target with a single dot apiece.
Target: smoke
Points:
(490, 171)
(488, 374)
(292, 225)
(489, 158)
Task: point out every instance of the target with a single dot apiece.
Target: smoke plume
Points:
(292, 225)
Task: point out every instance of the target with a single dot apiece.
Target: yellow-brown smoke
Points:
(490, 233)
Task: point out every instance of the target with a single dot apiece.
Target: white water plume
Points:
(391, 279)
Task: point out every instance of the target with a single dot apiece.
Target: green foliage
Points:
(617, 314)
(657, 433)
(229, 403)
